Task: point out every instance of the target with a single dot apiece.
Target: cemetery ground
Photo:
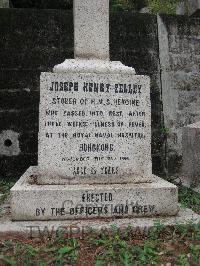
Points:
(171, 245)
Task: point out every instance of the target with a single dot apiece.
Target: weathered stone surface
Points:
(9, 143)
(92, 66)
(19, 99)
(194, 7)
(58, 202)
(14, 166)
(181, 8)
(81, 228)
(134, 41)
(179, 58)
(191, 154)
(94, 128)
(91, 29)
(4, 3)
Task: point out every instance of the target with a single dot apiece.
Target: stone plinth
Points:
(81, 228)
(96, 66)
(30, 201)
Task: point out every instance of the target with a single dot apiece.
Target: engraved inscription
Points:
(97, 204)
(97, 126)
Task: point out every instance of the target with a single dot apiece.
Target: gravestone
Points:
(194, 8)
(189, 7)
(94, 158)
(191, 156)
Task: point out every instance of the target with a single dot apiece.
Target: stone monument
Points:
(94, 158)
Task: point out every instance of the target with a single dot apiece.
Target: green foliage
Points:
(5, 186)
(10, 261)
(26, 254)
(5, 190)
(118, 250)
(155, 6)
(147, 253)
(61, 254)
(195, 254)
(156, 230)
(163, 6)
(182, 260)
(116, 247)
(119, 5)
(190, 231)
(133, 5)
(164, 130)
(189, 199)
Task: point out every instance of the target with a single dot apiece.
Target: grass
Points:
(39, 252)
(189, 199)
(5, 189)
(176, 245)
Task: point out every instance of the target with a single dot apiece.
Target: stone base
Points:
(31, 201)
(79, 228)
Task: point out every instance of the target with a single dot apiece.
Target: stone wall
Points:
(179, 39)
(33, 41)
(134, 42)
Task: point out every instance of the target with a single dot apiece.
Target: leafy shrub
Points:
(163, 6)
